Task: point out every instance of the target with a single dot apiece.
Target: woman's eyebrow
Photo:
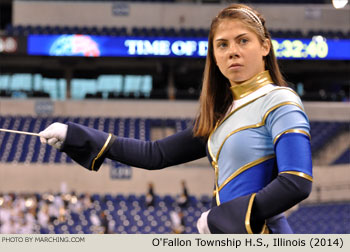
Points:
(238, 36)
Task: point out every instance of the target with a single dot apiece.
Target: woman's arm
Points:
(176, 149)
(89, 147)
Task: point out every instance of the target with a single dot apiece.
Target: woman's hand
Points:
(54, 135)
(202, 223)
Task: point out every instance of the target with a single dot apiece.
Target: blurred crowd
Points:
(31, 213)
(24, 213)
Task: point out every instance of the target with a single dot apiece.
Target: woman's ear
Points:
(266, 46)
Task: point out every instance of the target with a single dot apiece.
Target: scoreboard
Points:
(317, 48)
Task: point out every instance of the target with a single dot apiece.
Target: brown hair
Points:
(216, 96)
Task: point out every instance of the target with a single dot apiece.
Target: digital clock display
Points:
(300, 49)
(317, 48)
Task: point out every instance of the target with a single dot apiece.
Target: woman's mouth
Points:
(235, 66)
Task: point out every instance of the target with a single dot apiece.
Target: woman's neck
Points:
(247, 87)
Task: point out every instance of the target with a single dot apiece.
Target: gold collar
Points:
(249, 86)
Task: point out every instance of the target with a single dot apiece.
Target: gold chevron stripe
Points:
(101, 151)
(291, 131)
(300, 174)
(244, 168)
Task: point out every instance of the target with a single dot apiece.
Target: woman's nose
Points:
(233, 51)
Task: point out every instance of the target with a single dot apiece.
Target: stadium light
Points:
(338, 4)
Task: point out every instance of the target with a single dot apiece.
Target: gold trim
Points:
(216, 170)
(264, 229)
(245, 104)
(209, 147)
(249, 212)
(249, 86)
(300, 174)
(233, 132)
(262, 123)
(101, 151)
(240, 107)
(279, 105)
(244, 168)
(291, 131)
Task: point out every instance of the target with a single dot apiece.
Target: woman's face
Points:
(238, 51)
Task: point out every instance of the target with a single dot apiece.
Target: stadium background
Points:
(149, 97)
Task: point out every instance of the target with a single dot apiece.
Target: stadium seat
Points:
(321, 219)
(11, 145)
(344, 158)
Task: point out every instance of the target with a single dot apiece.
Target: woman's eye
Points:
(243, 41)
(222, 45)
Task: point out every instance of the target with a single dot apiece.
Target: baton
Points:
(20, 132)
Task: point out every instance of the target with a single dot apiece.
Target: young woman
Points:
(252, 128)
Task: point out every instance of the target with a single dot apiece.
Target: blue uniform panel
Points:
(249, 181)
(294, 153)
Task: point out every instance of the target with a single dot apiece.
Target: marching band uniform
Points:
(260, 153)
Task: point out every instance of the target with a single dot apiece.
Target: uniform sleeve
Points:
(89, 148)
(289, 127)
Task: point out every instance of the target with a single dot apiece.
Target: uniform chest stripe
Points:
(244, 168)
(257, 125)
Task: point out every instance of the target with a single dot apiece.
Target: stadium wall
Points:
(44, 177)
(317, 111)
(177, 15)
(330, 183)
